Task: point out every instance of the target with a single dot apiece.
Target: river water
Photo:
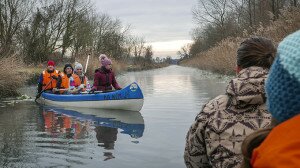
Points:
(35, 136)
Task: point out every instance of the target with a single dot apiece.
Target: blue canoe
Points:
(129, 98)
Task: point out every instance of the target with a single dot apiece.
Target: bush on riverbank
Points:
(12, 76)
(222, 57)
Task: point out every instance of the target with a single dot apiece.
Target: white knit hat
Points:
(77, 66)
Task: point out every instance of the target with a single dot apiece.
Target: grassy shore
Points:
(16, 74)
(11, 78)
(222, 57)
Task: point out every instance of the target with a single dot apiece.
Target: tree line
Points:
(219, 19)
(38, 30)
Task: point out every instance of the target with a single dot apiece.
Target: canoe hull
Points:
(129, 104)
(129, 98)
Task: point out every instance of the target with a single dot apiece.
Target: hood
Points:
(249, 87)
(102, 69)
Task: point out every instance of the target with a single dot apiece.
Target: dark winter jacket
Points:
(104, 80)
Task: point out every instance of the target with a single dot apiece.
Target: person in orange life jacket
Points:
(104, 77)
(279, 145)
(49, 78)
(83, 79)
(69, 80)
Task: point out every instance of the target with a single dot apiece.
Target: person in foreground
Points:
(49, 78)
(104, 77)
(215, 137)
(279, 146)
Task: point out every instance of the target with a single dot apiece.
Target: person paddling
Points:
(49, 78)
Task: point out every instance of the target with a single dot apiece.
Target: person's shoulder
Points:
(57, 71)
(98, 70)
(75, 75)
(218, 102)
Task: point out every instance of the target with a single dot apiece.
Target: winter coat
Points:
(281, 148)
(104, 80)
(215, 138)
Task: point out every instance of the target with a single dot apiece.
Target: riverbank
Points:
(16, 74)
(11, 78)
(222, 57)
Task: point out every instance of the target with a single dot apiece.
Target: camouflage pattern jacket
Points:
(216, 136)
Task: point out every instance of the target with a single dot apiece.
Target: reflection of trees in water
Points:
(106, 137)
(15, 123)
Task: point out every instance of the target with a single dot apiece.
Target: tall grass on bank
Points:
(222, 57)
(12, 77)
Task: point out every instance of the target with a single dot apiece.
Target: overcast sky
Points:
(165, 24)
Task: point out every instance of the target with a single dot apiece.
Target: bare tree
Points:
(13, 15)
(212, 12)
(185, 51)
(148, 53)
(139, 46)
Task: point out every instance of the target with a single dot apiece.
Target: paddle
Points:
(96, 92)
(87, 63)
(40, 93)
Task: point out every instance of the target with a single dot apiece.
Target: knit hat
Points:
(66, 66)
(104, 60)
(102, 56)
(77, 66)
(50, 63)
(283, 83)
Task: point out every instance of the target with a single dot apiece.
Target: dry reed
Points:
(12, 76)
(222, 57)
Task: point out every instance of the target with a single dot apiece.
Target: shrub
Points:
(12, 76)
(222, 57)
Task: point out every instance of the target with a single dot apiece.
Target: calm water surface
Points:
(34, 136)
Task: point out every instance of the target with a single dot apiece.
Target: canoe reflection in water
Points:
(76, 124)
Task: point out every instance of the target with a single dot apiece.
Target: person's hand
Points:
(81, 86)
(54, 77)
(92, 90)
(55, 90)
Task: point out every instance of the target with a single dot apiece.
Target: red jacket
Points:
(281, 148)
(104, 80)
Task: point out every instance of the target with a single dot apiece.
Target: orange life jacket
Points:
(65, 81)
(281, 148)
(83, 80)
(47, 77)
(49, 118)
(66, 122)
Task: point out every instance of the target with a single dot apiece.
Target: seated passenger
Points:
(49, 78)
(69, 81)
(104, 77)
(216, 136)
(83, 78)
(279, 145)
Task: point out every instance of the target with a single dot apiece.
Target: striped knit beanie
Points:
(283, 83)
